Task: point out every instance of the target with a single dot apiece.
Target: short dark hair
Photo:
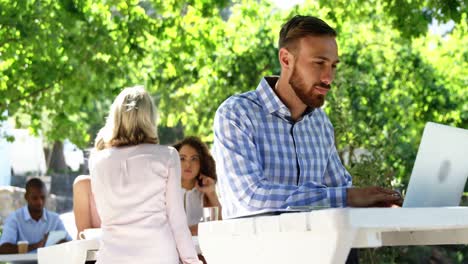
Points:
(35, 183)
(207, 163)
(302, 26)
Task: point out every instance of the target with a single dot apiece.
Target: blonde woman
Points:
(136, 185)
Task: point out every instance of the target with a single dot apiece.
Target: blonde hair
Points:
(131, 120)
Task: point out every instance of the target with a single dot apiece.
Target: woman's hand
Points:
(209, 190)
(208, 185)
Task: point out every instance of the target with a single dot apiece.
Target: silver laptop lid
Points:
(441, 168)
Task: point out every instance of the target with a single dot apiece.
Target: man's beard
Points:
(310, 99)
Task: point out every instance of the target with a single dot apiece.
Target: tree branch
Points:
(4, 106)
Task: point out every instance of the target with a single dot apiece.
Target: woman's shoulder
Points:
(156, 149)
(108, 157)
(82, 180)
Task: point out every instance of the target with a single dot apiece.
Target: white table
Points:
(23, 258)
(326, 236)
(77, 252)
(72, 252)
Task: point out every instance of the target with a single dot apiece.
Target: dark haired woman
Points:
(198, 180)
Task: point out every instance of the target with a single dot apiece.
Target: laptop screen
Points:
(441, 168)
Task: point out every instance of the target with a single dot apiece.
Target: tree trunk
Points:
(56, 158)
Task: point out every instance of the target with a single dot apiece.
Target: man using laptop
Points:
(275, 147)
(32, 222)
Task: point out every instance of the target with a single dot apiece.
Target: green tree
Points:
(62, 62)
(410, 17)
(59, 58)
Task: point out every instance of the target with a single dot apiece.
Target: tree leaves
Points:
(64, 61)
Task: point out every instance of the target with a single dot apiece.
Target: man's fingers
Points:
(399, 202)
(387, 191)
(384, 198)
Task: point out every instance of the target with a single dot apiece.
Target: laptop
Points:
(441, 168)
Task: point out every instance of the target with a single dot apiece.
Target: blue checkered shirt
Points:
(266, 161)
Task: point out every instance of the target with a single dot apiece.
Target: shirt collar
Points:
(271, 101)
(27, 215)
(267, 95)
